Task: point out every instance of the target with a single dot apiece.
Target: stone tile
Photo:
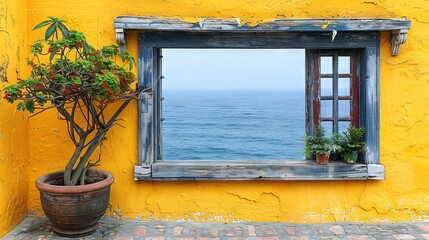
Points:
(424, 227)
(265, 231)
(290, 230)
(299, 238)
(123, 238)
(213, 232)
(305, 230)
(268, 238)
(126, 230)
(269, 231)
(140, 231)
(330, 237)
(251, 229)
(404, 236)
(425, 236)
(357, 237)
(232, 232)
(177, 230)
(155, 238)
(337, 229)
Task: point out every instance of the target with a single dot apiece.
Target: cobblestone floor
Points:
(41, 229)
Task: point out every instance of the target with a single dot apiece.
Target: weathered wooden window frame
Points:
(334, 34)
(335, 97)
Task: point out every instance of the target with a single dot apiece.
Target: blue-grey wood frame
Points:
(151, 166)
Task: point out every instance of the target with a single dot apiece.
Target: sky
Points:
(248, 69)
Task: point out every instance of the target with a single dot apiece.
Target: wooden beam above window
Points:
(397, 26)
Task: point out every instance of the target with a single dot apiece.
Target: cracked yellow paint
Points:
(13, 125)
(404, 87)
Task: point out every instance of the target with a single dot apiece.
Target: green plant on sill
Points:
(318, 143)
(85, 85)
(350, 143)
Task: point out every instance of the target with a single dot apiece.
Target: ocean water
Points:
(231, 124)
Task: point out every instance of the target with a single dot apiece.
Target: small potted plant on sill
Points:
(89, 90)
(350, 144)
(319, 145)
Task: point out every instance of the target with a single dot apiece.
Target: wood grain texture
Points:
(288, 25)
(256, 170)
(255, 40)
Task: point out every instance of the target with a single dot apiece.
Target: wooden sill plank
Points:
(257, 170)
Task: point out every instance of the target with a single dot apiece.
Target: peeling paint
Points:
(3, 72)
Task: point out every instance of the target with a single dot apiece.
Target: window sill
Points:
(257, 170)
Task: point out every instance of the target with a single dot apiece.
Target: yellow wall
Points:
(13, 125)
(403, 196)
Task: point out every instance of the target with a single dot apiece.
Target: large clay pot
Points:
(322, 158)
(74, 210)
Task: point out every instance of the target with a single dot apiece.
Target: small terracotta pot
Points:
(74, 210)
(322, 159)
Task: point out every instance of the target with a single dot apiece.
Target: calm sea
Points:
(227, 124)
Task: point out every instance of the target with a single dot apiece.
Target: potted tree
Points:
(350, 144)
(89, 90)
(319, 145)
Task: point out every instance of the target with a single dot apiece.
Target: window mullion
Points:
(354, 93)
(316, 91)
(335, 92)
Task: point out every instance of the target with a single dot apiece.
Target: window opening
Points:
(336, 90)
(230, 104)
(362, 47)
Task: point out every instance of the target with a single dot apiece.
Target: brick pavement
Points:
(110, 229)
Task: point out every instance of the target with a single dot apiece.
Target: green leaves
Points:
(350, 142)
(26, 106)
(85, 48)
(79, 81)
(72, 70)
(11, 93)
(54, 25)
(36, 48)
(42, 24)
(64, 30)
(50, 31)
(51, 56)
(318, 143)
(125, 56)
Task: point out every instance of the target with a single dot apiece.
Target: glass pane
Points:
(326, 65)
(342, 126)
(328, 126)
(344, 65)
(326, 86)
(344, 108)
(344, 87)
(326, 108)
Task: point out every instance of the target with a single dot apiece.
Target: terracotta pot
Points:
(74, 210)
(322, 158)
